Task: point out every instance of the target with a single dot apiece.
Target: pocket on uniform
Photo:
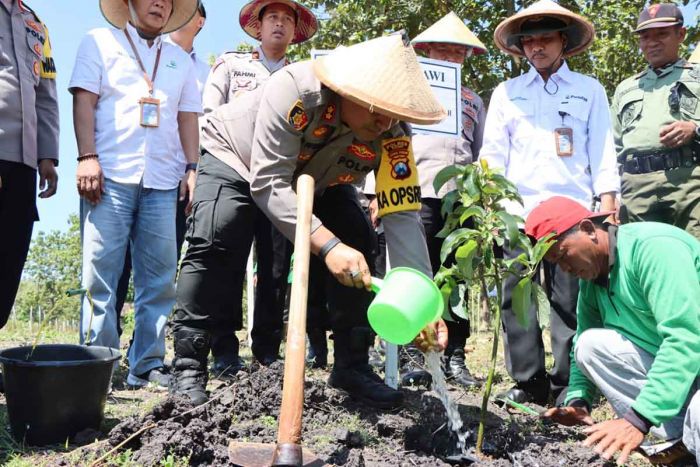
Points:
(689, 98)
(630, 109)
(201, 227)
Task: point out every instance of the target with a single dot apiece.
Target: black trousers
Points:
(224, 220)
(524, 349)
(17, 216)
(433, 222)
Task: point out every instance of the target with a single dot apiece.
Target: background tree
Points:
(613, 57)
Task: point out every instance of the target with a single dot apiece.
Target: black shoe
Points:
(456, 370)
(363, 384)
(227, 366)
(189, 368)
(521, 396)
(317, 356)
(412, 369)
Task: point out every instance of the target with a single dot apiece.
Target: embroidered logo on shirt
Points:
(329, 113)
(34, 26)
(362, 151)
(172, 64)
(37, 68)
(297, 116)
(347, 178)
(398, 152)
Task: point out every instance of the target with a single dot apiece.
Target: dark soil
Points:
(339, 430)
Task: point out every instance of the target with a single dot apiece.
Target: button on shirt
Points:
(519, 136)
(28, 105)
(130, 153)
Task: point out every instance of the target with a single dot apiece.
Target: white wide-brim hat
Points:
(579, 31)
(384, 76)
(116, 12)
(449, 29)
(307, 24)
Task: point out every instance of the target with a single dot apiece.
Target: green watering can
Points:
(407, 300)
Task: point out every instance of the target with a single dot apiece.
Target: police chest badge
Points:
(397, 185)
(297, 116)
(362, 151)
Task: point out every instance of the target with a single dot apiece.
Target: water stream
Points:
(454, 421)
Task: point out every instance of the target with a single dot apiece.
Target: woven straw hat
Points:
(695, 58)
(307, 25)
(579, 31)
(382, 75)
(116, 12)
(449, 30)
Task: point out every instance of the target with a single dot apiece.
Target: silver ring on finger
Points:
(355, 274)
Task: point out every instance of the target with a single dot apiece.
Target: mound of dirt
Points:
(339, 430)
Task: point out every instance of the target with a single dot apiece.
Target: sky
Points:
(68, 21)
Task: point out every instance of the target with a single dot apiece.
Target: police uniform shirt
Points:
(643, 104)
(297, 130)
(28, 106)
(519, 136)
(235, 73)
(434, 152)
(130, 153)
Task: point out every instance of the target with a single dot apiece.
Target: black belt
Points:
(658, 161)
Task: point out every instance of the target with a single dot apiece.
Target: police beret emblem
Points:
(297, 116)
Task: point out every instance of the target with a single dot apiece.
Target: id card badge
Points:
(150, 112)
(564, 140)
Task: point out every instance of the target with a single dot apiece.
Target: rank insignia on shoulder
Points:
(297, 116)
(329, 113)
(362, 151)
(321, 131)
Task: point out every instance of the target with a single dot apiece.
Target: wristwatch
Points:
(191, 166)
(697, 132)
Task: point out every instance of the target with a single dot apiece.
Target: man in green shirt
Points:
(638, 325)
(656, 114)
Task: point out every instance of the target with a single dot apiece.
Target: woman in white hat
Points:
(549, 130)
(449, 39)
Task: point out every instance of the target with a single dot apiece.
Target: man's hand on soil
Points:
(569, 416)
(612, 436)
(432, 337)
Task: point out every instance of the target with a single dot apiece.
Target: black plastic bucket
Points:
(58, 392)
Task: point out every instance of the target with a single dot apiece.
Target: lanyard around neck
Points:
(150, 80)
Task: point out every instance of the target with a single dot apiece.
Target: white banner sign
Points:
(445, 79)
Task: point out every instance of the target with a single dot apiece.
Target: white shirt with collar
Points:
(519, 136)
(129, 153)
(201, 67)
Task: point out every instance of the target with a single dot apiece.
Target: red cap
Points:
(557, 215)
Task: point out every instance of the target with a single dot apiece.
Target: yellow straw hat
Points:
(249, 19)
(695, 57)
(116, 12)
(552, 17)
(384, 76)
(449, 29)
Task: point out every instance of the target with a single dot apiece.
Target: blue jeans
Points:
(146, 218)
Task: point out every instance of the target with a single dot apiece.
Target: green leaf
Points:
(446, 290)
(539, 298)
(471, 211)
(446, 175)
(464, 257)
(522, 300)
(471, 186)
(455, 238)
(511, 226)
(448, 202)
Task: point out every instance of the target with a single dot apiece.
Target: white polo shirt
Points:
(129, 153)
(519, 136)
(201, 67)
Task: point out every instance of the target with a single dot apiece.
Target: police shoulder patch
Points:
(297, 116)
(398, 188)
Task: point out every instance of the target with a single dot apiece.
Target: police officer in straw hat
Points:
(276, 24)
(550, 130)
(336, 118)
(449, 39)
(656, 122)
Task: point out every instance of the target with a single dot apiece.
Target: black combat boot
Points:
(413, 372)
(226, 360)
(189, 367)
(352, 373)
(456, 371)
(317, 356)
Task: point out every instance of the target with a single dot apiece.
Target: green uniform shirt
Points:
(641, 106)
(653, 299)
